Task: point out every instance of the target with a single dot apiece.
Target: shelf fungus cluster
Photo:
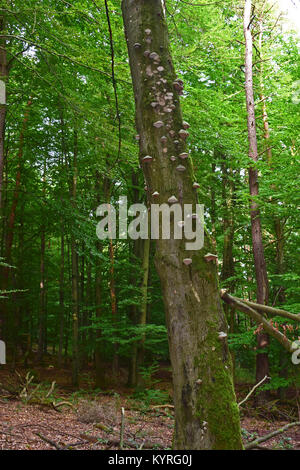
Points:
(178, 85)
(163, 102)
(187, 261)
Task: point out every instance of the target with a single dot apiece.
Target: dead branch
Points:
(253, 390)
(162, 406)
(270, 310)
(62, 403)
(49, 441)
(258, 318)
(265, 438)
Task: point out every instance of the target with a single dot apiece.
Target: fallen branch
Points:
(258, 318)
(49, 441)
(270, 310)
(62, 403)
(162, 406)
(134, 444)
(253, 390)
(265, 438)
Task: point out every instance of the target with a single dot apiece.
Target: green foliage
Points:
(60, 58)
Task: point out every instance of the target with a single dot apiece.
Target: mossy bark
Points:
(206, 412)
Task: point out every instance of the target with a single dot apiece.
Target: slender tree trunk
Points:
(262, 361)
(143, 307)
(278, 224)
(63, 163)
(100, 370)
(113, 300)
(213, 202)
(42, 306)
(3, 78)
(228, 229)
(61, 295)
(42, 316)
(134, 256)
(206, 413)
(74, 257)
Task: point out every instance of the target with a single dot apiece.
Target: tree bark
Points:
(42, 306)
(74, 257)
(262, 293)
(143, 307)
(206, 413)
(227, 271)
(100, 370)
(3, 77)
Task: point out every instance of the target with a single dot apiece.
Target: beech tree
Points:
(206, 412)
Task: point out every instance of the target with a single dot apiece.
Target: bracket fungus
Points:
(147, 159)
(180, 168)
(222, 335)
(187, 261)
(183, 155)
(154, 56)
(158, 124)
(178, 85)
(210, 257)
(173, 158)
(163, 139)
(137, 45)
(155, 194)
(185, 125)
(148, 31)
(172, 200)
(196, 185)
(183, 134)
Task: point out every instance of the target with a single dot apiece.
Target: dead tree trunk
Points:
(262, 361)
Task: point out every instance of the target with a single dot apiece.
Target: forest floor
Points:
(92, 419)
